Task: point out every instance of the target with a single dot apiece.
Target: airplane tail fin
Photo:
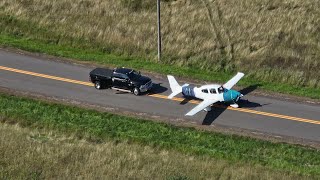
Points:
(175, 87)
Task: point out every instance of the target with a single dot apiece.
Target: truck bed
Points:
(106, 73)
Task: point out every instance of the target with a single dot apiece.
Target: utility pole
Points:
(159, 31)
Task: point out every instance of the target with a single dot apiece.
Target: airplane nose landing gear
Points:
(234, 105)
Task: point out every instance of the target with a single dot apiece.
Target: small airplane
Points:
(210, 93)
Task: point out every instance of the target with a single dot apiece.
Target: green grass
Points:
(48, 154)
(99, 126)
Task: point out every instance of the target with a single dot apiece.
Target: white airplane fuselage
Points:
(211, 91)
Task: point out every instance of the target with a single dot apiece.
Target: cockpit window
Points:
(220, 89)
(205, 90)
(213, 91)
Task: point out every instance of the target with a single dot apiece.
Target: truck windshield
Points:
(133, 74)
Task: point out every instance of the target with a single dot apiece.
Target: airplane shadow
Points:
(219, 108)
(216, 110)
(185, 101)
(249, 89)
(244, 103)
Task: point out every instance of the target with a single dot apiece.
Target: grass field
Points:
(273, 42)
(98, 127)
(44, 154)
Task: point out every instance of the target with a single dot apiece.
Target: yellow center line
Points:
(245, 110)
(46, 76)
(164, 97)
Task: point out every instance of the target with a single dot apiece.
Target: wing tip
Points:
(241, 73)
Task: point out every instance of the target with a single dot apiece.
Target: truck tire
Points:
(136, 91)
(97, 85)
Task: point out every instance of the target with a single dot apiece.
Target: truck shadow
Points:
(157, 89)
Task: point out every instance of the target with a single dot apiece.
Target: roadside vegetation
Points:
(274, 42)
(45, 154)
(103, 128)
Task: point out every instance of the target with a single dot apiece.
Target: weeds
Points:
(62, 156)
(270, 40)
(99, 127)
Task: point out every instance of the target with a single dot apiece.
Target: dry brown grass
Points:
(274, 40)
(39, 154)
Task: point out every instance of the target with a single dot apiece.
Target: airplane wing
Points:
(233, 80)
(201, 106)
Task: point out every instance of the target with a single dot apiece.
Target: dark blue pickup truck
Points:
(122, 79)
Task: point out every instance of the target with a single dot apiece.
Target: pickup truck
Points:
(122, 79)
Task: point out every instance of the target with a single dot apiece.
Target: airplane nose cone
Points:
(232, 96)
(237, 97)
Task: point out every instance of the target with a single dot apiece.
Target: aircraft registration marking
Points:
(163, 96)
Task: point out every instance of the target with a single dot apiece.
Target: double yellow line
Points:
(45, 76)
(162, 96)
(246, 110)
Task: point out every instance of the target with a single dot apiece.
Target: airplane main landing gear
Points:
(207, 109)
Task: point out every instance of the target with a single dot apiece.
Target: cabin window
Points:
(205, 90)
(213, 91)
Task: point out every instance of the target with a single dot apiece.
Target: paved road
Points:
(259, 114)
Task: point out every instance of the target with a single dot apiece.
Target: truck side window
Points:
(119, 75)
(116, 75)
(124, 76)
(205, 90)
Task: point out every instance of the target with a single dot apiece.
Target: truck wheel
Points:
(97, 85)
(136, 91)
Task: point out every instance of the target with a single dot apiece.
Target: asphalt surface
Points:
(258, 114)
